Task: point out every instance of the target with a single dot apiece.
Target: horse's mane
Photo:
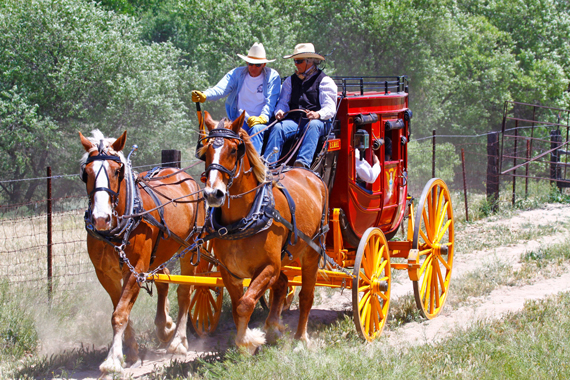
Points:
(259, 168)
(96, 137)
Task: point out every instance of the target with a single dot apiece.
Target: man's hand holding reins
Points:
(198, 96)
(313, 115)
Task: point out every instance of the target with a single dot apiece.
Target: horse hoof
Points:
(274, 332)
(111, 366)
(178, 347)
(251, 341)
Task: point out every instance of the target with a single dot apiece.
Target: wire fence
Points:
(24, 226)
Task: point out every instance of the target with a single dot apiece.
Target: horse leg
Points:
(164, 324)
(273, 327)
(310, 266)
(122, 327)
(179, 343)
(242, 308)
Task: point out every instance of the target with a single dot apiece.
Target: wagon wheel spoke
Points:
(444, 263)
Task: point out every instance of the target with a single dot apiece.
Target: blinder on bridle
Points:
(104, 156)
(219, 135)
(222, 133)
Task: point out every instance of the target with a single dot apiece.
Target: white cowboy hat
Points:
(256, 54)
(304, 51)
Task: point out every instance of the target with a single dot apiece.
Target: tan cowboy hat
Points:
(256, 54)
(304, 51)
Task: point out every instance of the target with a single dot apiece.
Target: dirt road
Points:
(502, 300)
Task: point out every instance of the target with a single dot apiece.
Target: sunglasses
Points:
(255, 64)
(298, 61)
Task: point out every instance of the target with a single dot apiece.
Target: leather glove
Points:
(198, 96)
(254, 120)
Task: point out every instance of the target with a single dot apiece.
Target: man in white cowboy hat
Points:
(253, 88)
(308, 89)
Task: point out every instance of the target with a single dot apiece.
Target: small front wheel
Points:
(205, 304)
(371, 284)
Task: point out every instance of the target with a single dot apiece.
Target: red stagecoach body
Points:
(382, 203)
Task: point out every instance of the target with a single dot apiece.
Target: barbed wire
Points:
(76, 175)
(479, 135)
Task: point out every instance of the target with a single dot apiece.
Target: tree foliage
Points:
(70, 65)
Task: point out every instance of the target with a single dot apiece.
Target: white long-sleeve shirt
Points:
(364, 171)
(327, 97)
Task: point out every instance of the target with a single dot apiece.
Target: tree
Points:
(80, 67)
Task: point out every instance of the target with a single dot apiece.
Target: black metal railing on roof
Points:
(386, 84)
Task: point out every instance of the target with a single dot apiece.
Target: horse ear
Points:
(87, 145)
(119, 143)
(238, 123)
(210, 123)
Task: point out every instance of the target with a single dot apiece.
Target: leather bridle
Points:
(219, 135)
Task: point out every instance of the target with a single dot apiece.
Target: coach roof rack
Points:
(381, 83)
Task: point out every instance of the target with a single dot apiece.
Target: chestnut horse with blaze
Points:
(234, 170)
(107, 176)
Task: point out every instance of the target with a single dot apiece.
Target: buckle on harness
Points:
(223, 231)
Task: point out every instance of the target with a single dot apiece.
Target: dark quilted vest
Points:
(305, 95)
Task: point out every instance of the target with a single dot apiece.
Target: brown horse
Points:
(231, 173)
(108, 176)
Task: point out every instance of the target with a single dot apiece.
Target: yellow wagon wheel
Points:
(371, 284)
(205, 304)
(434, 241)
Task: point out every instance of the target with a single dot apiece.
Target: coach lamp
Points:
(361, 141)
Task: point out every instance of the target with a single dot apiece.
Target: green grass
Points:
(336, 351)
(482, 351)
(17, 331)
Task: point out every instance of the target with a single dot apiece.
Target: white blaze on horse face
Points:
(215, 183)
(102, 211)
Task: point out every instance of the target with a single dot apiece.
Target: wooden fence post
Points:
(493, 170)
(171, 159)
(515, 163)
(464, 185)
(49, 236)
(555, 140)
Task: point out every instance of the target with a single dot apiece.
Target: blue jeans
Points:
(288, 129)
(257, 140)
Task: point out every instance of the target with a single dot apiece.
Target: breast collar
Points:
(257, 220)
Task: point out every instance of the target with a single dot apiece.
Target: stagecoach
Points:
(362, 245)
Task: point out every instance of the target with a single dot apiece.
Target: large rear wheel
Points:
(371, 284)
(433, 244)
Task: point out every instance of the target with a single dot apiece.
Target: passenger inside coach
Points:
(364, 171)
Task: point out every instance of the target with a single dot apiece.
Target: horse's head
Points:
(223, 150)
(102, 170)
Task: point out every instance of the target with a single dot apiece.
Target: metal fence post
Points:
(433, 156)
(49, 236)
(493, 170)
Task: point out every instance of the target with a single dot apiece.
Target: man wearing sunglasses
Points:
(253, 88)
(308, 89)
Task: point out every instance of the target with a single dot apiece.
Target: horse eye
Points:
(234, 151)
(117, 172)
